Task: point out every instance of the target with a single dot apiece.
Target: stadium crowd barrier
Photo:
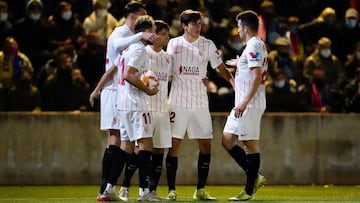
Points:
(66, 148)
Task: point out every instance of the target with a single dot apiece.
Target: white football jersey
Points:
(129, 97)
(115, 45)
(190, 61)
(254, 55)
(160, 63)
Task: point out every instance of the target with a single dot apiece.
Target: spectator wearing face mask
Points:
(323, 57)
(6, 26)
(23, 96)
(325, 25)
(100, 21)
(281, 94)
(281, 59)
(64, 27)
(31, 34)
(350, 33)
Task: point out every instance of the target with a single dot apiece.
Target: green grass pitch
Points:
(82, 194)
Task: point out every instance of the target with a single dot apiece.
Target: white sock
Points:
(143, 191)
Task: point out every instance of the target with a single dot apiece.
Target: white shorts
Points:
(108, 115)
(247, 127)
(135, 125)
(162, 130)
(196, 122)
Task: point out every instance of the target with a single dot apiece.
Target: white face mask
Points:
(35, 16)
(66, 15)
(279, 83)
(101, 12)
(3, 17)
(357, 55)
(325, 53)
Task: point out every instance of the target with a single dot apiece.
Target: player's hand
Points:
(151, 37)
(152, 91)
(94, 95)
(206, 81)
(239, 110)
(232, 62)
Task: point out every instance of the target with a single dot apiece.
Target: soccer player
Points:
(243, 123)
(160, 62)
(136, 122)
(115, 157)
(188, 100)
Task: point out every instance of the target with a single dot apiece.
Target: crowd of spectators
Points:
(52, 53)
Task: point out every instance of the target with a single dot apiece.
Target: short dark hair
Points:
(189, 16)
(249, 18)
(133, 7)
(160, 24)
(144, 22)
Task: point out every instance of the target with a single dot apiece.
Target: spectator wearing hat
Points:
(100, 21)
(31, 34)
(325, 25)
(323, 57)
(350, 33)
(281, 59)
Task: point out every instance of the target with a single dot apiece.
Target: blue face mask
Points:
(351, 22)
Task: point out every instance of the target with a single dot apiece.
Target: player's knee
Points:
(227, 142)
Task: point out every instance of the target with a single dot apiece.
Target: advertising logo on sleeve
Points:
(218, 54)
(254, 56)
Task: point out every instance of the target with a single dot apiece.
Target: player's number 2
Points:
(172, 117)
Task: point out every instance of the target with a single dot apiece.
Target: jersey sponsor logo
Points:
(187, 70)
(161, 75)
(254, 56)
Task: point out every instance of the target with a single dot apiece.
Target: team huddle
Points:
(143, 120)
